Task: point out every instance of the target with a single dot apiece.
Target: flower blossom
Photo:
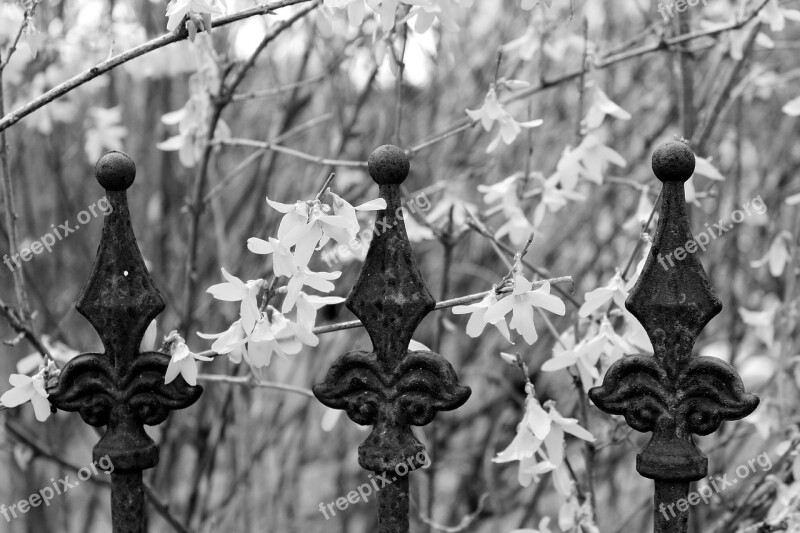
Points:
(493, 111)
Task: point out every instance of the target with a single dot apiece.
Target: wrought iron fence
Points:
(672, 393)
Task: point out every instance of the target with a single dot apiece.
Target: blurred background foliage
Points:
(253, 459)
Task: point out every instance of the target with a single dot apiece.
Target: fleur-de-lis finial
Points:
(391, 388)
(673, 394)
(122, 388)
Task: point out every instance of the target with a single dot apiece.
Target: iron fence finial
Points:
(121, 388)
(391, 388)
(672, 393)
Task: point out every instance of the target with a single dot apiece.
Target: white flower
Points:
(595, 157)
(584, 356)
(493, 111)
(105, 132)
(342, 208)
(477, 320)
(553, 199)
(642, 214)
(355, 9)
(544, 527)
(273, 334)
(177, 9)
(386, 10)
(636, 334)
(236, 290)
(307, 307)
(192, 121)
(59, 351)
(504, 191)
(541, 427)
(230, 342)
(614, 345)
(763, 322)
(304, 224)
(182, 360)
(320, 281)
(521, 302)
(427, 11)
(776, 15)
(283, 263)
(517, 226)
(600, 107)
(587, 160)
(28, 389)
(616, 291)
(527, 44)
(148, 339)
(777, 256)
(703, 167)
(792, 107)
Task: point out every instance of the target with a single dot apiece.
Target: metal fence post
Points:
(391, 388)
(673, 394)
(122, 388)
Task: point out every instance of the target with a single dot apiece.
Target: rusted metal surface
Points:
(391, 388)
(122, 388)
(673, 394)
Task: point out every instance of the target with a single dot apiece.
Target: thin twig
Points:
(325, 186)
(154, 44)
(248, 381)
(264, 93)
(266, 145)
(463, 300)
(398, 95)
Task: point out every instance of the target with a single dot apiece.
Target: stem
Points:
(462, 300)
(401, 66)
(248, 382)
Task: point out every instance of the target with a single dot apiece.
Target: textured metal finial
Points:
(391, 388)
(673, 394)
(388, 165)
(673, 161)
(115, 171)
(122, 388)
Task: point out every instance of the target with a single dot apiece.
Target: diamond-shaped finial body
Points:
(119, 299)
(390, 297)
(673, 298)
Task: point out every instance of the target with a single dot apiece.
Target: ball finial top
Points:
(388, 165)
(673, 161)
(115, 171)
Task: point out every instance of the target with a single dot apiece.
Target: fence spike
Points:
(673, 394)
(121, 388)
(391, 388)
